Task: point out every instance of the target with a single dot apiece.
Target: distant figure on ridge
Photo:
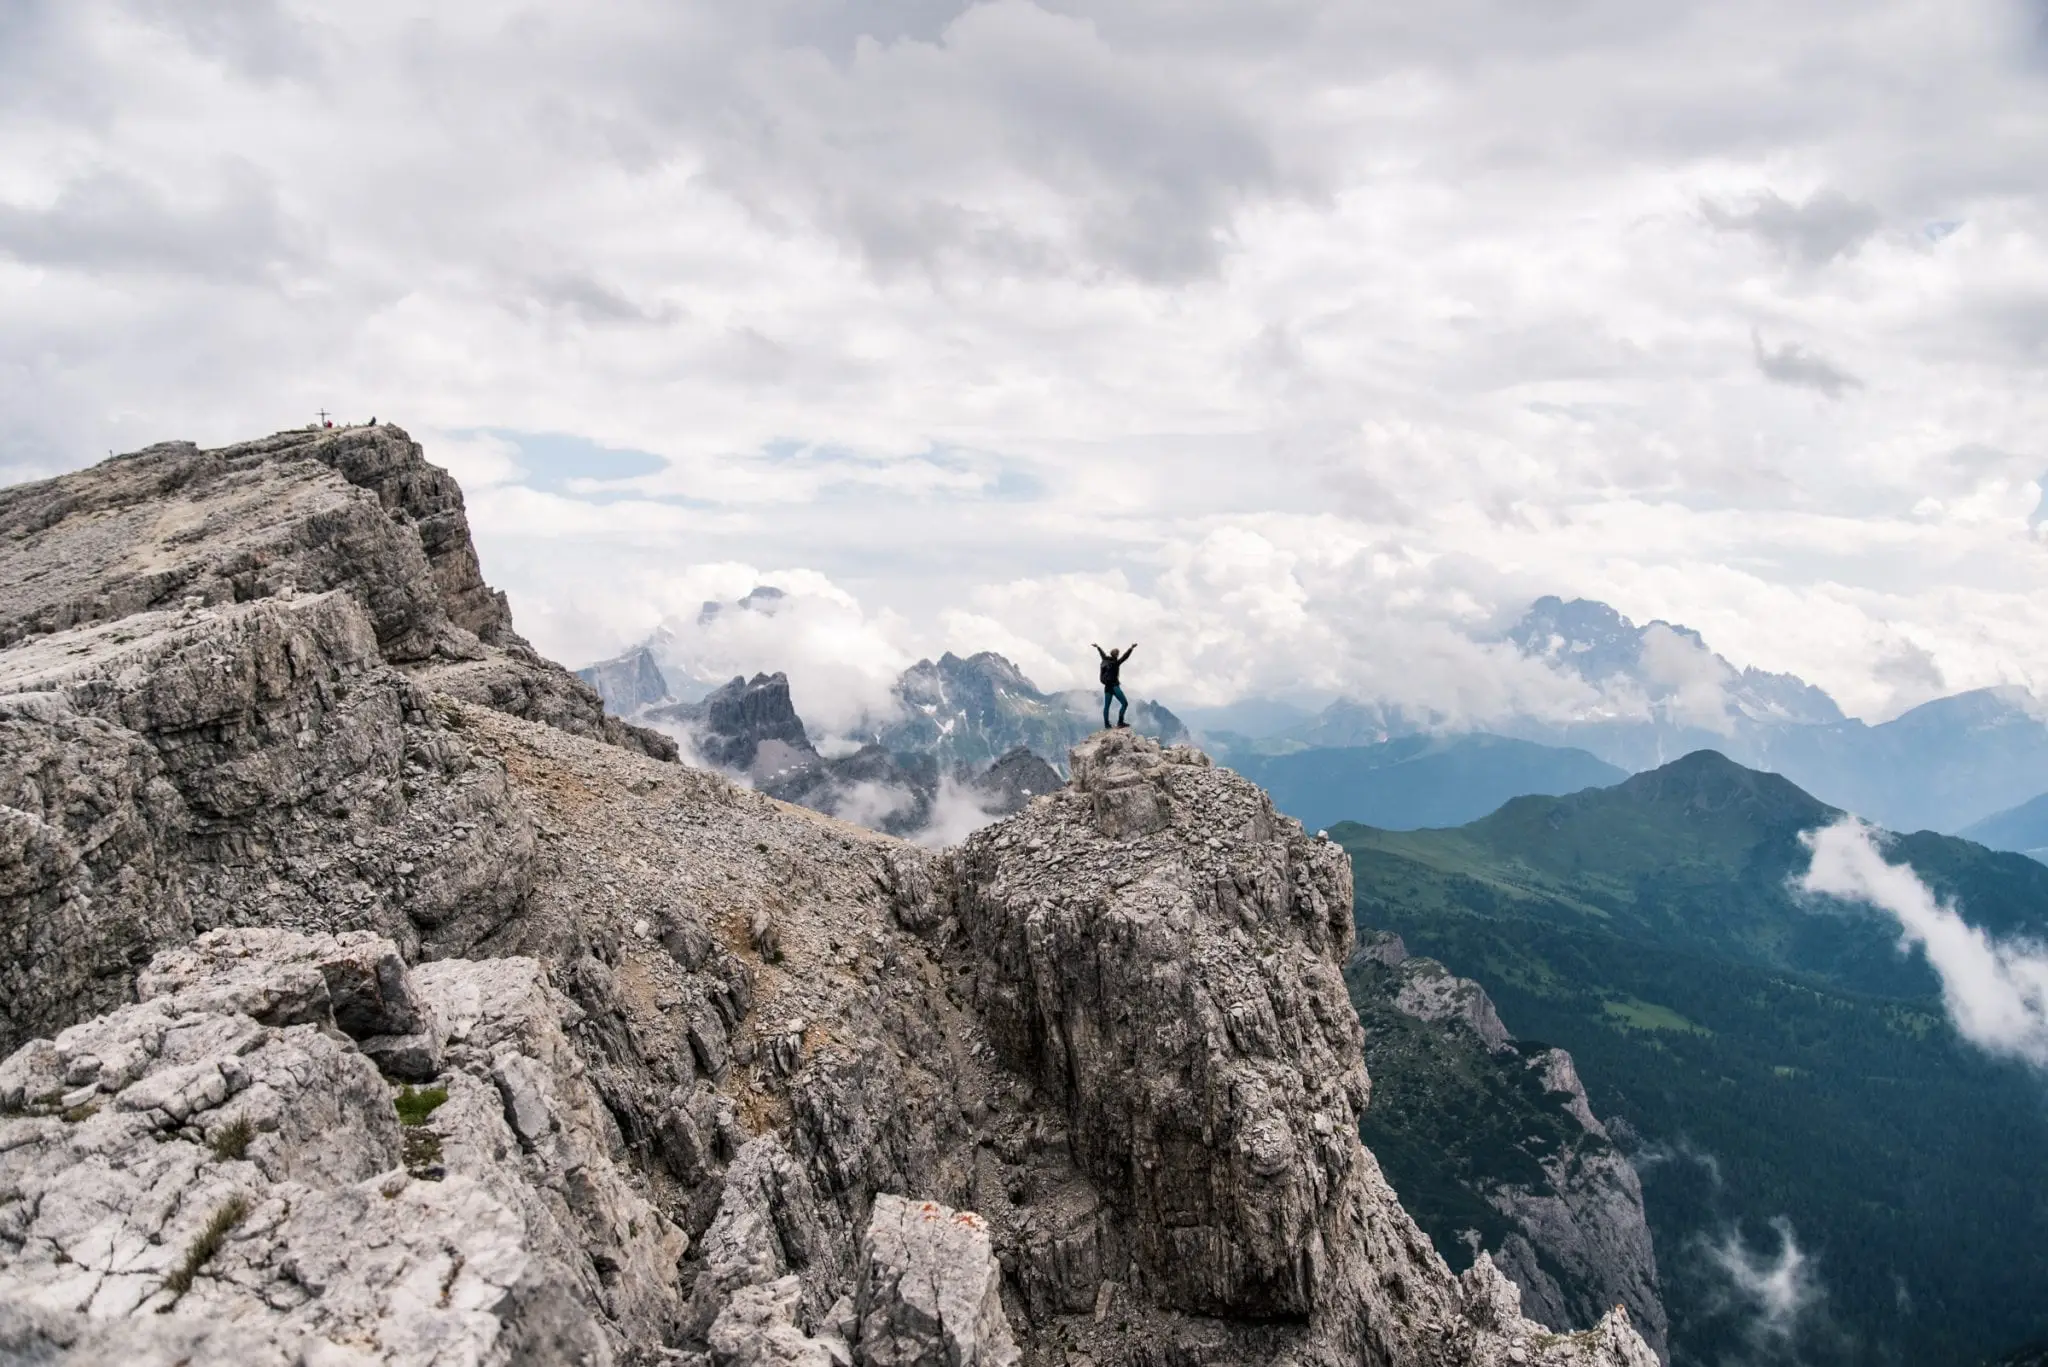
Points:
(1112, 661)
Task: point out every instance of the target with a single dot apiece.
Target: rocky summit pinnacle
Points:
(368, 1001)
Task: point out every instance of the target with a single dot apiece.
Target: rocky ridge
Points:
(360, 509)
(725, 1081)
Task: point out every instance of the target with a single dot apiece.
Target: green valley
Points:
(1773, 1058)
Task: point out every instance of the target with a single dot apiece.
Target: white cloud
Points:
(1792, 364)
(1996, 991)
(1300, 340)
(870, 803)
(1812, 233)
(1696, 680)
(1777, 1294)
(841, 661)
(958, 811)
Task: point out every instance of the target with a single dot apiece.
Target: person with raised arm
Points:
(1112, 689)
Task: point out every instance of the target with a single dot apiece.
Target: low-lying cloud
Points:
(1682, 1150)
(1996, 992)
(1776, 1294)
(958, 811)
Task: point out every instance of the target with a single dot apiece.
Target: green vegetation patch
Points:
(1642, 1015)
(231, 1141)
(416, 1104)
(1451, 1120)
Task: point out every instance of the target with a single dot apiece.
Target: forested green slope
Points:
(1779, 1059)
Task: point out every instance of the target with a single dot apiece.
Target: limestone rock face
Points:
(256, 763)
(1430, 992)
(358, 509)
(929, 1292)
(226, 1153)
(1587, 1222)
(1160, 952)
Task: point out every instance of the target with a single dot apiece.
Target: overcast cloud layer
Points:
(1301, 341)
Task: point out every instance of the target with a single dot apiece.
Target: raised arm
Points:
(1127, 653)
(1100, 651)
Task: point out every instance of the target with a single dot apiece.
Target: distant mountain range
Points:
(1662, 693)
(968, 739)
(1771, 1059)
(1940, 766)
(2022, 829)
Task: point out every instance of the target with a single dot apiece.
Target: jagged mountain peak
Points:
(746, 725)
(1661, 660)
(628, 681)
(764, 598)
(1586, 636)
(984, 667)
(1998, 705)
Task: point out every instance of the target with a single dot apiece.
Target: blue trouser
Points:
(1123, 705)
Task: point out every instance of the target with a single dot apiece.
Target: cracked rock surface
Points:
(225, 1153)
(688, 1067)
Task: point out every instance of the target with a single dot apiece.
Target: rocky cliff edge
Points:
(355, 1016)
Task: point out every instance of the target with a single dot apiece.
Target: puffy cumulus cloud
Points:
(1996, 992)
(733, 619)
(1280, 606)
(1307, 342)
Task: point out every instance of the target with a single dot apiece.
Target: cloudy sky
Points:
(1303, 341)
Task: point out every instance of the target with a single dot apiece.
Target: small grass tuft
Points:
(231, 1213)
(416, 1104)
(76, 1114)
(230, 1143)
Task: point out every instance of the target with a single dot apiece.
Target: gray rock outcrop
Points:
(358, 510)
(224, 1157)
(627, 683)
(929, 1290)
(748, 726)
(1009, 784)
(354, 1008)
